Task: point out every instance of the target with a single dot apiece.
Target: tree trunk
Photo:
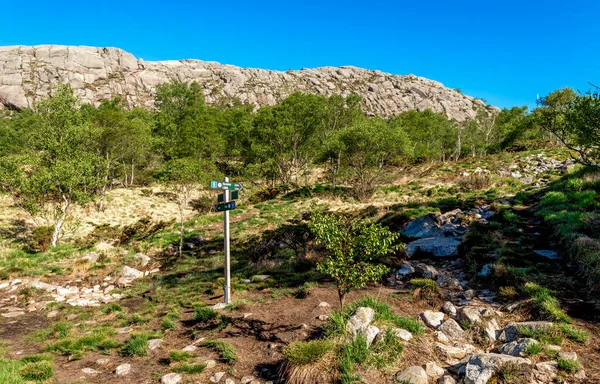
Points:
(341, 296)
(132, 171)
(61, 221)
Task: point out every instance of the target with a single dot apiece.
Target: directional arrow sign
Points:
(232, 196)
(226, 185)
(225, 206)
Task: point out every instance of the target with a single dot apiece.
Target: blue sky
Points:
(504, 51)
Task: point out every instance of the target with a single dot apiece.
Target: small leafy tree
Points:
(354, 247)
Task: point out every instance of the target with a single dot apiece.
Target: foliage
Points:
(568, 365)
(307, 352)
(546, 303)
(226, 352)
(352, 246)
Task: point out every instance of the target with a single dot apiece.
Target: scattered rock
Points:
(142, 259)
(123, 369)
(448, 282)
(324, 305)
(210, 364)
(190, 348)
(548, 254)
(410, 375)
(10, 315)
(171, 378)
(43, 286)
(360, 320)
(323, 317)
(258, 278)
(568, 356)
(91, 257)
(486, 270)
(511, 331)
(402, 334)
(517, 347)
(453, 352)
(128, 275)
(217, 377)
(453, 330)
(102, 361)
(371, 333)
(427, 271)
(90, 371)
(491, 329)
(449, 308)
(247, 379)
(52, 314)
(433, 246)
(441, 337)
(423, 227)
(405, 270)
(154, 344)
(469, 314)
(433, 370)
(432, 319)
(446, 380)
(481, 367)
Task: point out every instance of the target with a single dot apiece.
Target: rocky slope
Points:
(30, 73)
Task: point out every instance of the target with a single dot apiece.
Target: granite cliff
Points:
(28, 74)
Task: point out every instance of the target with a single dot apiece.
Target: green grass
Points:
(307, 352)
(111, 308)
(37, 371)
(179, 356)
(168, 324)
(9, 371)
(546, 303)
(568, 365)
(577, 335)
(203, 314)
(534, 349)
(543, 335)
(387, 350)
(136, 346)
(352, 354)
(384, 314)
(226, 352)
(190, 368)
(98, 339)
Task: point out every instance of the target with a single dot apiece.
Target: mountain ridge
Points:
(29, 73)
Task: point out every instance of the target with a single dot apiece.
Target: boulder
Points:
(427, 271)
(128, 275)
(402, 334)
(142, 259)
(548, 254)
(492, 329)
(482, 367)
(433, 246)
(371, 333)
(449, 308)
(446, 380)
(453, 330)
(426, 226)
(568, 356)
(511, 331)
(411, 375)
(449, 352)
(433, 370)
(123, 369)
(432, 319)
(405, 270)
(359, 320)
(517, 347)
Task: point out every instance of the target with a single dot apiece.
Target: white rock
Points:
(217, 377)
(90, 371)
(371, 333)
(449, 308)
(190, 348)
(154, 344)
(171, 378)
(481, 367)
(432, 319)
(433, 370)
(411, 375)
(123, 369)
(360, 320)
(402, 334)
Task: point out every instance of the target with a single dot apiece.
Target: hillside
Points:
(28, 74)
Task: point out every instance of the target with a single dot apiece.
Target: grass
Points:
(578, 335)
(203, 314)
(546, 303)
(534, 349)
(353, 353)
(136, 346)
(33, 368)
(98, 339)
(179, 356)
(568, 365)
(168, 324)
(190, 368)
(37, 371)
(307, 352)
(424, 283)
(543, 335)
(226, 352)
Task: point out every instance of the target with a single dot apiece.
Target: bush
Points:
(203, 204)
(41, 238)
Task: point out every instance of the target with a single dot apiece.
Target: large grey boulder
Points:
(433, 246)
(411, 375)
(482, 367)
(469, 314)
(426, 226)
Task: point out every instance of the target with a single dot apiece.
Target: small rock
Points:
(491, 329)
(154, 344)
(229, 381)
(449, 308)
(90, 371)
(450, 352)
(468, 294)
(217, 377)
(103, 361)
(482, 367)
(91, 257)
(487, 270)
(402, 334)
(453, 330)
(123, 369)
(441, 337)
(323, 317)
(171, 378)
(210, 364)
(219, 306)
(410, 375)
(360, 320)
(432, 319)
(469, 314)
(142, 259)
(517, 347)
(260, 277)
(446, 380)
(324, 305)
(128, 275)
(52, 314)
(405, 270)
(433, 370)
(427, 271)
(190, 348)
(568, 356)
(246, 379)
(580, 375)
(548, 254)
(371, 333)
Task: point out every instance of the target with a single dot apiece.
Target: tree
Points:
(58, 171)
(366, 147)
(182, 176)
(354, 248)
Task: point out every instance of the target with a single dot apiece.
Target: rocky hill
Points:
(30, 73)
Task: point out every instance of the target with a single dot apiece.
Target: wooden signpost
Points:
(225, 204)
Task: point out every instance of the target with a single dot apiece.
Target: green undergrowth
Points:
(349, 352)
(33, 368)
(555, 334)
(226, 351)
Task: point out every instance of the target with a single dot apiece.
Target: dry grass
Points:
(323, 371)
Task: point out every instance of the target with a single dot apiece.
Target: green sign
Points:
(226, 185)
(232, 196)
(222, 207)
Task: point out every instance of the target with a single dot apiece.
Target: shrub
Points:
(41, 238)
(136, 346)
(568, 365)
(203, 314)
(578, 335)
(179, 355)
(37, 371)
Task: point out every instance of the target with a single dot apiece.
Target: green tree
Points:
(367, 146)
(354, 249)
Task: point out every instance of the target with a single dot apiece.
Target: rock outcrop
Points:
(28, 74)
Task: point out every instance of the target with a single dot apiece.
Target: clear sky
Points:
(505, 51)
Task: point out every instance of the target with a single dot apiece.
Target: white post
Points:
(227, 287)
